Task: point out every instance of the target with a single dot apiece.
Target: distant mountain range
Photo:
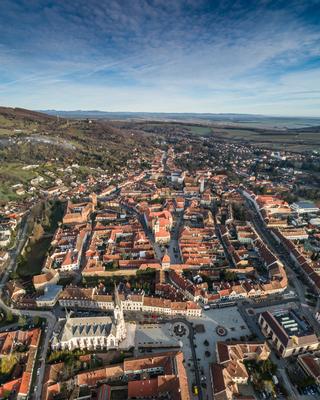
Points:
(228, 118)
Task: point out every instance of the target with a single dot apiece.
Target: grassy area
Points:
(7, 319)
(7, 364)
(11, 174)
(200, 130)
(5, 132)
(11, 124)
(15, 173)
(5, 122)
(67, 356)
(7, 193)
(53, 214)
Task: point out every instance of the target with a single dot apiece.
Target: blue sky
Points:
(238, 56)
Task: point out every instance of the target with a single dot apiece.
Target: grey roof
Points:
(305, 204)
(88, 327)
(50, 292)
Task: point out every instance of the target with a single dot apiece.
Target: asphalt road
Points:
(173, 249)
(15, 252)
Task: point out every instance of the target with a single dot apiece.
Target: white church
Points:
(92, 333)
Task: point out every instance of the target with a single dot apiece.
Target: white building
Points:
(92, 333)
(305, 207)
(288, 333)
(88, 299)
(50, 296)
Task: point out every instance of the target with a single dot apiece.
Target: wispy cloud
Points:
(161, 55)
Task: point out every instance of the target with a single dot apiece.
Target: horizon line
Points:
(178, 113)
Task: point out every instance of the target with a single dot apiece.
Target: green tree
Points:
(22, 320)
(9, 316)
(267, 366)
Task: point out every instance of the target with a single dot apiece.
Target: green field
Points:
(11, 174)
(277, 140)
(199, 130)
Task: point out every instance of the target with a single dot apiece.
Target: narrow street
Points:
(157, 249)
(173, 249)
(175, 257)
(277, 249)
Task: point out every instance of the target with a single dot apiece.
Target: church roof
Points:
(90, 327)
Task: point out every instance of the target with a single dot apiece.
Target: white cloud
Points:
(160, 57)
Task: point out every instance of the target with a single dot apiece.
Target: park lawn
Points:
(31, 262)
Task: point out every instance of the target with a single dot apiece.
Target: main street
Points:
(175, 257)
(173, 247)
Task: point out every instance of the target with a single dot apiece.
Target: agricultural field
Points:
(295, 141)
(199, 130)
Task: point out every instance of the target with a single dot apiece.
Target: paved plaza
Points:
(155, 336)
(235, 326)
